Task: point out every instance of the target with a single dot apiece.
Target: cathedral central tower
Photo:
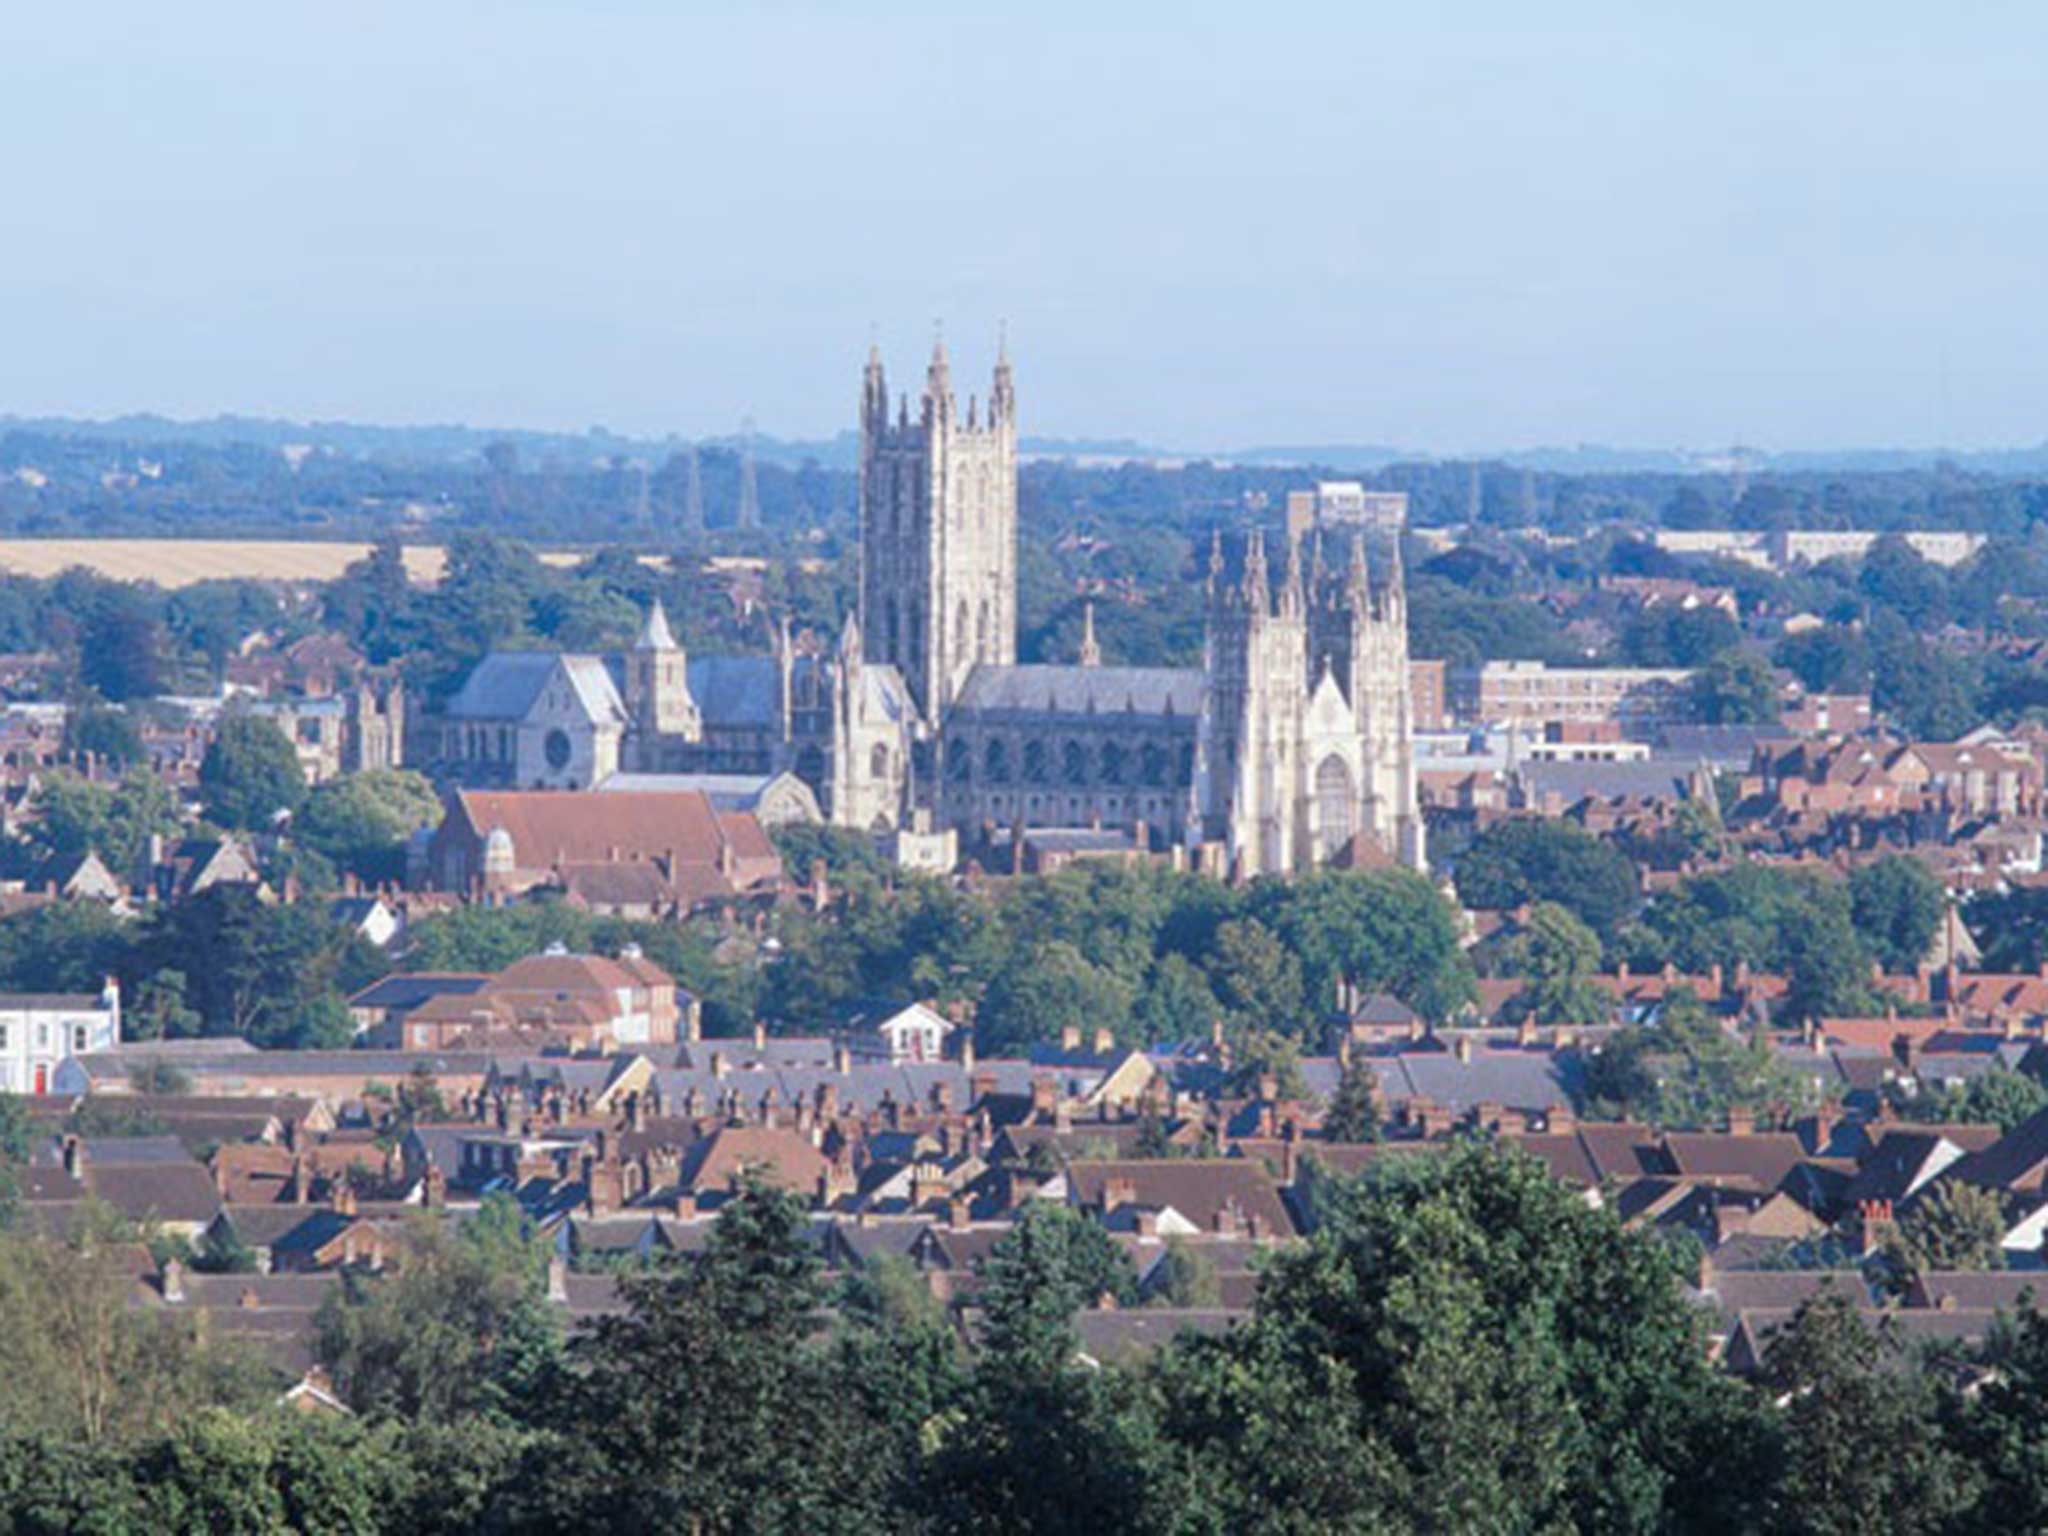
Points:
(938, 527)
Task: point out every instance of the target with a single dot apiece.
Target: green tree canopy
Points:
(360, 822)
(1531, 859)
(1896, 904)
(249, 773)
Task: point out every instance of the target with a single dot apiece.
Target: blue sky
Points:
(1480, 226)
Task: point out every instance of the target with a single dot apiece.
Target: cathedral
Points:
(1289, 747)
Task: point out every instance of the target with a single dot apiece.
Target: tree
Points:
(1041, 1443)
(1354, 1113)
(361, 822)
(1559, 956)
(1859, 1455)
(1999, 1097)
(1532, 859)
(249, 773)
(2011, 928)
(1047, 989)
(1050, 1265)
(1685, 1071)
(705, 1384)
(1255, 976)
(1999, 1428)
(1952, 1225)
(122, 649)
(1896, 904)
(461, 1328)
(1487, 1352)
(1376, 930)
(75, 815)
(1736, 687)
(77, 1359)
(262, 971)
(66, 946)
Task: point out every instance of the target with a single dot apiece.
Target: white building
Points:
(41, 1031)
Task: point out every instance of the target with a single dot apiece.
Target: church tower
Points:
(938, 518)
(658, 683)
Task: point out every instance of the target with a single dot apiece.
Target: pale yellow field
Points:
(182, 562)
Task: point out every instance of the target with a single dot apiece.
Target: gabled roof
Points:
(1198, 1188)
(2017, 1160)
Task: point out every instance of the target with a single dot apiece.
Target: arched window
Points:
(1152, 764)
(889, 629)
(915, 652)
(1037, 762)
(960, 633)
(996, 761)
(878, 762)
(1184, 772)
(982, 632)
(1115, 758)
(959, 761)
(1333, 806)
(1074, 762)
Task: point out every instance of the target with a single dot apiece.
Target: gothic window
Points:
(982, 636)
(1152, 764)
(1184, 775)
(915, 653)
(889, 629)
(878, 762)
(1037, 762)
(1074, 762)
(959, 762)
(1115, 756)
(1333, 805)
(557, 749)
(960, 633)
(996, 761)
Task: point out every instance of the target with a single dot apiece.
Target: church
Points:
(1288, 747)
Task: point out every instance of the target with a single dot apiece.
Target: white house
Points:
(40, 1031)
(899, 1032)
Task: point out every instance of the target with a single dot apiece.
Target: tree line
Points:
(1459, 1344)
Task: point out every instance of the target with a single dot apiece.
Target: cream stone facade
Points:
(1289, 747)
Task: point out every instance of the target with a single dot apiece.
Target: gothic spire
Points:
(1091, 651)
(938, 376)
(655, 635)
(1003, 400)
(874, 392)
(1290, 591)
(1256, 589)
(1358, 580)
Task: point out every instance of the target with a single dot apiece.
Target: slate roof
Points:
(737, 691)
(409, 989)
(1107, 1336)
(1664, 779)
(504, 685)
(1513, 1079)
(1070, 690)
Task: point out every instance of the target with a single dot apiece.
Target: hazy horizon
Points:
(1587, 225)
